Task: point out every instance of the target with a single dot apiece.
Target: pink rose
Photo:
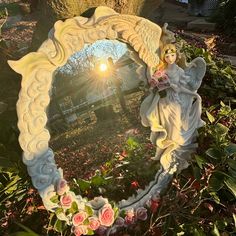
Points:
(165, 77)
(141, 213)
(106, 215)
(159, 73)
(80, 230)
(129, 218)
(79, 218)
(62, 187)
(93, 223)
(66, 201)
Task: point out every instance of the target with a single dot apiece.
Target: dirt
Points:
(17, 39)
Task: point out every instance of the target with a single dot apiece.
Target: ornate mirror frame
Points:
(37, 69)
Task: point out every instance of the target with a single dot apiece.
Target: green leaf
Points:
(90, 232)
(234, 216)
(54, 199)
(83, 184)
(132, 144)
(215, 181)
(215, 231)
(197, 173)
(58, 226)
(198, 232)
(74, 208)
(89, 210)
(58, 211)
(97, 180)
(232, 172)
(231, 149)
(232, 163)
(221, 129)
(180, 233)
(86, 222)
(63, 217)
(27, 232)
(221, 224)
(116, 212)
(228, 70)
(225, 110)
(222, 104)
(214, 153)
(200, 161)
(12, 186)
(231, 184)
(215, 197)
(210, 117)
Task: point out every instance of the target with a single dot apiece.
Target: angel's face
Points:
(170, 58)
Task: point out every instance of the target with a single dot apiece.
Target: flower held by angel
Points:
(159, 80)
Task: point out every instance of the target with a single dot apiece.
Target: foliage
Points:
(225, 16)
(201, 199)
(16, 194)
(121, 176)
(219, 82)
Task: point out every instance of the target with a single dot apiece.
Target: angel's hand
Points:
(175, 87)
(152, 82)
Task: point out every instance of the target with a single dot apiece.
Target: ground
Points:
(90, 142)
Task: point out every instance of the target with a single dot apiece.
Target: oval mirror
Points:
(94, 122)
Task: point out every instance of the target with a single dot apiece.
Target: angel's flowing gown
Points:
(174, 119)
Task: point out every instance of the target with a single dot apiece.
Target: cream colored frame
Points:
(37, 70)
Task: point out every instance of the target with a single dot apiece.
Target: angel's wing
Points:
(148, 56)
(141, 34)
(141, 68)
(150, 34)
(196, 73)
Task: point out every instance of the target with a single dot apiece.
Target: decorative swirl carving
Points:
(46, 194)
(44, 171)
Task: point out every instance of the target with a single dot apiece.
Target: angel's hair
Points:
(168, 48)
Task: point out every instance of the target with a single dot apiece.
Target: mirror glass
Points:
(94, 122)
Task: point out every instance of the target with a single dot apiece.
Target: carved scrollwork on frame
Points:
(37, 70)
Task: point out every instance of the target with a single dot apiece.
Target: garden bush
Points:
(199, 201)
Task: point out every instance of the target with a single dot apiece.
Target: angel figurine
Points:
(175, 117)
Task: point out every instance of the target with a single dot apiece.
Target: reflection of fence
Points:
(85, 109)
